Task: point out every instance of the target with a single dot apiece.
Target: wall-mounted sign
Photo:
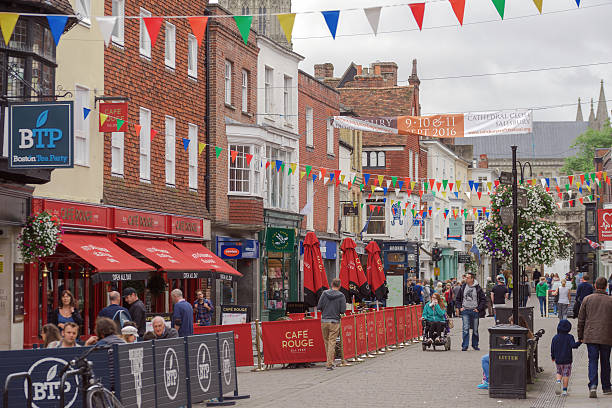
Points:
(455, 228)
(280, 239)
(140, 221)
(349, 210)
(329, 249)
(18, 293)
(187, 226)
(464, 258)
(604, 220)
(113, 111)
(41, 134)
(73, 214)
(235, 248)
(235, 314)
(506, 178)
(469, 228)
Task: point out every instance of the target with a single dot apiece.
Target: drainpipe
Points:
(207, 117)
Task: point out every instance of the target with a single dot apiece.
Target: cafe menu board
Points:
(235, 314)
(550, 303)
(18, 293)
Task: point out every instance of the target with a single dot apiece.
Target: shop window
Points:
(276, 281)
(375, 213)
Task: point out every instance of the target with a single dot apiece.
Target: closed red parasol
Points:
(354, 282)
(376, 272)
(315, 279)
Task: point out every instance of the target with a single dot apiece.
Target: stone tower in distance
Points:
(264, 20)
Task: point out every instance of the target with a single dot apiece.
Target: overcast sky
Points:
(485, 44)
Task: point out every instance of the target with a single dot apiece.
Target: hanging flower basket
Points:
(40, 237)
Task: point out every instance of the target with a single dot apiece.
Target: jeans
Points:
(599, 352)
(542, 300)
(470, 320)
(485, 367)
(562, 309)
(330, 334)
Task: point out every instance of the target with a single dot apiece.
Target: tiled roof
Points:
(548, 140)
(50, 6)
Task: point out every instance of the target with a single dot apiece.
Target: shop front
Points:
(109, 248)
(401, 262)
(448, 265)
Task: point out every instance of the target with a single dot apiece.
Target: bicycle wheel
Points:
(100, 397)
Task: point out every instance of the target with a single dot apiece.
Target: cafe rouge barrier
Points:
(160, 373)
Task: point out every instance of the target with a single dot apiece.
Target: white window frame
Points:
(228, 82)
(245, 90)
(287, 97)
(310, 199)
(145, 145)
(278, 184)
(83, 10)
(309, 127)
(170, 46)
(145, 40)
(170, 162)
(117, 153)
(268, 90)
(81, 127)
(331, 216)
(377, 217)
(254, 169)
(192, 56)
(410, 168)
(118, 10)
(330, 137)
(193, 156)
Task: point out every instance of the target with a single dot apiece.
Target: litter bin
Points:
(508, 361)
(503, 314)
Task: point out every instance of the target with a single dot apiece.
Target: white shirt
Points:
(564, 294)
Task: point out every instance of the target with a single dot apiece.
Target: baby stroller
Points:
(436, 334)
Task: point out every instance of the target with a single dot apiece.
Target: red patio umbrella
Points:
(376, 272)
(315, 279)
(354, 282)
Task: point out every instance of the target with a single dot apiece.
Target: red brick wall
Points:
(246, 210)
(325, 102)
(227, 44)
(149, 84)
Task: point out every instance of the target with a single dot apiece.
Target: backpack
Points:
(120, 317)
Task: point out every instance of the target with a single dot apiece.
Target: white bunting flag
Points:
(397, 191)
(307, 209)
(373, 15)
(106, 26)
(468, 194)
(388, 183)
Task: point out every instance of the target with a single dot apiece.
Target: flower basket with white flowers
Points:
(40, 237)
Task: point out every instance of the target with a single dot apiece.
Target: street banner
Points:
(360, 328)
(134, 374)
(347, 325)
(390, 326)
(399, 322)
(380, 329)
(293, 341)
(371, 330)
(605, 225)
(227, 363)
(242, 340)
(471, 124)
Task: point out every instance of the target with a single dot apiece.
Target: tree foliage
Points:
(586, 143)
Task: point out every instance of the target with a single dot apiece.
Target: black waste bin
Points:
(507, 361)
(503, 314)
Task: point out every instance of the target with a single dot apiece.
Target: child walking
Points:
(561, 354)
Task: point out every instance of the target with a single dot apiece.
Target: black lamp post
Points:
(520, 290)
(515, 263)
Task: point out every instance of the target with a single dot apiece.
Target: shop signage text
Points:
(140, 221)
(41, 135)
(280, 239)
(185, 226)
(78, 214)
(604, 221)
(114, 111)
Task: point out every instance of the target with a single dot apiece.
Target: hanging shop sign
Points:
(604, 221)
(350, 210)
(139, 221)
(232, 248)
(41, 135)
(469, 228)
(109, 113)
(464, 257)
(280, 239)
(455, 228)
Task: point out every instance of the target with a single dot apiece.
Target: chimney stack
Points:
(483, 162)
(322, 71)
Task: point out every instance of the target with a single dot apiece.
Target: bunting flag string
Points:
(500, 6)
(7, 25)
(373, 16)
(459, 9)
(57, 25)
(286, 22)
(244, 26)
(152, 24)
(538, 4)
(418, 11)
(198, 27)
(331, 19)
(106, 25)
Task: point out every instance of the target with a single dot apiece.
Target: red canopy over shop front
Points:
(111, 262)
(207, 259)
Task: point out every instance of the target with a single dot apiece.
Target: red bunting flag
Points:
(153, 133)
(608, 180)
(438, 185)
(459, 8)
(233, 154)
(323, 173)
(496, 183)
(571, 180)
(153, 25)
(450, 186)
(582, 179)
(409, 192)
(337, 175)
(558, 189)
(560, 196)
(407, 179)
(198, 27)
(479, 194)
(418, 11)
(249, 157)
(421, 193)
(379, 208)
(432, 183)
(137, 128)
(598, 175)
(267, 164)
(581, 200)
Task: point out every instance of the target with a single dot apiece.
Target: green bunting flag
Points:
(308, 170)
(444, 183)
(244, 26)
(500, 5)
(394, 180)
(218, 151)
(120, 124)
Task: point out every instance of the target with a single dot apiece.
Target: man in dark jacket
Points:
(332, 304)
(162, 331)
(137, 309)
(595, 330)
(471, 304)
(583, 290)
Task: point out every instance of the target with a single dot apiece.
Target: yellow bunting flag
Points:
(342, 178)
(292, 166)
(412, 184)
(538, 4)
(201, 147)
(7, 24)
(444, 194)
(489, 184)
(373, 188)
(302, 174)
(380, 180)
(458, 184)
(286, 22)
(103, 118)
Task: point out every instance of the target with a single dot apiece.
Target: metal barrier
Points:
(16, 376)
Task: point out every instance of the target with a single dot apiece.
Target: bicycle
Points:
(95, 395)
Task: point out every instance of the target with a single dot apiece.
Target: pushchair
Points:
(436, 334)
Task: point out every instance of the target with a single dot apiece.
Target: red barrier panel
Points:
(243, 340)
(399, 322)
(296, 316)
(419, 313)
(407, 323)
(348, 336)
(390, 327)
(293, 341)
(360, 328)
(380, 329)
(371, 330)
(415, 326)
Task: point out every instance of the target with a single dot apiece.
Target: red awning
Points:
(207, 259)
(163, 254)
(104, 255)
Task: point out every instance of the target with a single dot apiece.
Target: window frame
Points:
(83, 7)
(170, 151)
(192, 56)
(83, 132)
(376, 216)
(192, 135)
(376, 162)
(287, 97)
(253, 170)
(170, 47)
(331, 213)
(117, 144)
(120, 23)
(145, 144)
(245, 91)
(228, 82)
(268, 90)
(310, 199)
(144, 43)
(309, 126)
(330, 137)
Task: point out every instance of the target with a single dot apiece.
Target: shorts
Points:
(564, 370)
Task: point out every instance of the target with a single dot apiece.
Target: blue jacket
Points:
(583, 290)
(433, 315)
(110, 310)
(563, 343)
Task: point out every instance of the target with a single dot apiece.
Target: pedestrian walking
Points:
(182, 316)
(137, 310)
(203, 308)
(471, 303)
(499, 294)
(595, 330)
(536, 277)
(450, 300)
(541, 292)
(554, 285)
(525, 292)
(426, 292)
(418, 293)
(332, 304)
(561, 354)
(583, 290)
(563, 302)
(490, 286)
